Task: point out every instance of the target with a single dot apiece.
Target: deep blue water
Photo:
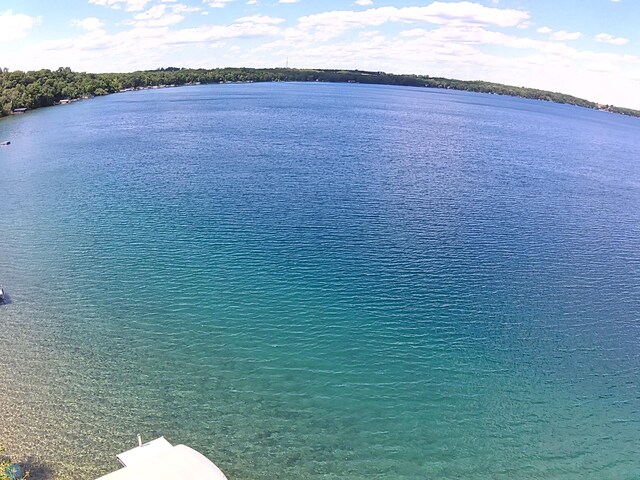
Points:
(310, 281)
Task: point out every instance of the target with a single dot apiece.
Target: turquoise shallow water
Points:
(310, 281)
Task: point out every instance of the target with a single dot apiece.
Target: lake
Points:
(323, 281)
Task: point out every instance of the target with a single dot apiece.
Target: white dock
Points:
(159, 460)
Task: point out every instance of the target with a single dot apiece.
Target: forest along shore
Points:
(20, 91)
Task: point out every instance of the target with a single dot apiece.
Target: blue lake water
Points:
(323, 281)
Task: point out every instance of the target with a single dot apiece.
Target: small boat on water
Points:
(6, 142)
(1, 295)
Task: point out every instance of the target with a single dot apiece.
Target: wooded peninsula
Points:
(42, 88)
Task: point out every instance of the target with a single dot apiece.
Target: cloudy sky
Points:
(589, 48)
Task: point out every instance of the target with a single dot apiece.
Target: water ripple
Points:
(323, 281)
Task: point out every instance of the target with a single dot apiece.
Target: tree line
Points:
(42, 88)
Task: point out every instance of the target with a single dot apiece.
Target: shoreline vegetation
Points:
(10, 470)
(21, 91)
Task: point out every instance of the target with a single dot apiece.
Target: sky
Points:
(587, 48)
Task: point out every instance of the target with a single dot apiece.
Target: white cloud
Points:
(458, 52)
(163, 21)
(14, 26)
(288, 1)
(182, 8)
(479, 36)
(415, 32)
(438, 38)
(364, 3)
(155, 12)
(332, 24)
(150, 39)
(260, 20)
(156, 16)
(89, 24)
(560, 35)
(130, 5)
(563, 36)
(461, 13)
(115, 4)
(217, 3)
(610, 39)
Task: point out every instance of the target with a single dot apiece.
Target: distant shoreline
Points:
(23, 91)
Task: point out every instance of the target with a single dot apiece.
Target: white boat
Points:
(6, 142)
(1, 295)
(159, 460)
